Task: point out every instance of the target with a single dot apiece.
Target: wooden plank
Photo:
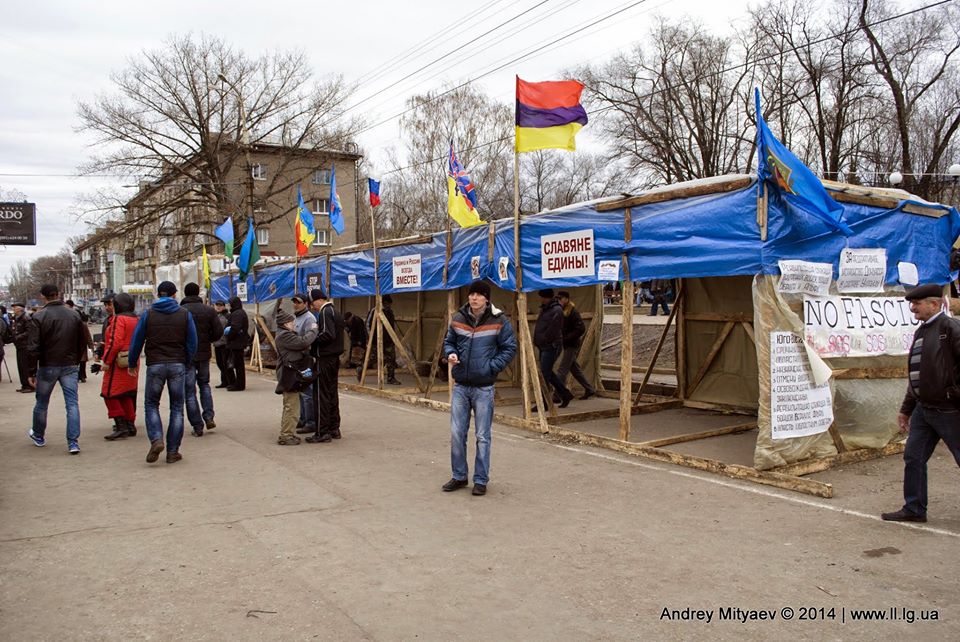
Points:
(609, 413)
(719, 316)
(696, 436)
(714, 351)
(896, 372)
(451, 310)
(398, 345)
(642, 368)
(437, 350)
(524, 371)
(266, 331)
(748, 328)
(626, 350)
(721, 407)
(835, 436)
(418, 345)
(736, 471)
(680, 349)
(731, 184)
(366, 353)
(660, 342)
(811, 466)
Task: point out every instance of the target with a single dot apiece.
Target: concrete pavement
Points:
(353, 540)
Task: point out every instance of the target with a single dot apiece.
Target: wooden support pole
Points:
(437, 353)
(366, 353)
(451, 310)
(398, 345)
(526, 348)
(626, 348)
(714, 351)
(811, 466)
(663, 339)
(418, 337)
(266, 331)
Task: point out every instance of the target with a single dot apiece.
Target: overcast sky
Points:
(58, 52)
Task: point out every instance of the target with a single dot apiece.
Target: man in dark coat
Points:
(237, 332)
(548, 337)
(209, 330)
(358, 339)
(573, 331)
(55, 342)
(327, 350)
(21, 327)
(220, 345)
(929, 409)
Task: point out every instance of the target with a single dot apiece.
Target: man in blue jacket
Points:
(168, 334)
(480, 343)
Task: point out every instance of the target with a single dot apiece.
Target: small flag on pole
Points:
(549, 115)
(374, 192)
(249, 251)
(461, 193)
(206, 269)
(336, 211)
(224, 232)
(304, 226)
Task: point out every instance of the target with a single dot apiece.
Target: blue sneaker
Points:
(73, 447)
(37, 441)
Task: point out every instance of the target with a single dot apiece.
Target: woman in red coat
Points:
(119, 390)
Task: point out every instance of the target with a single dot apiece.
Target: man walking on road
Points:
(55, 342)
(480, 343)
(929, 410)
(21, 329)
(209, 329)
(327, 349)
(548, 337)
(168, 336)
(573, 331)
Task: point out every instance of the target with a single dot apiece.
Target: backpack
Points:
(6, 333)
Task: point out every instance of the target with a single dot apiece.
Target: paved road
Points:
(246, 540)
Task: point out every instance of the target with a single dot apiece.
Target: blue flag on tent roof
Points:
(336, 211)
(799, 186)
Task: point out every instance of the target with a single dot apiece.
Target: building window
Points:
(259, 172)
(321, 177)
(321, 225)
(321, 206)
(263, 236)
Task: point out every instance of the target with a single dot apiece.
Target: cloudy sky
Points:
(59, 52)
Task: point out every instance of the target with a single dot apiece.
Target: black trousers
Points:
(237, 369)
(327, 398)
(23, 367)
(220, 354)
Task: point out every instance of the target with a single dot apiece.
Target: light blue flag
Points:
(799, 186)
(336, 212)
(224, 232)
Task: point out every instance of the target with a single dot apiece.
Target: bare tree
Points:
(180, 114)
(915, 56)
(551, 179)
(12, 195)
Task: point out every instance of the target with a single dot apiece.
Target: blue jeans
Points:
(480, 400)
(198, 374)
(927, 427)
(171, 375)
(47, 378)
(548, 357)
(662, 302)
(308, 414)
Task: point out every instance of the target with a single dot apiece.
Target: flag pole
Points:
(377, 324)
(519, 297)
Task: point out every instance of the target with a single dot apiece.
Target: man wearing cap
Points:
(55, 342)
(548, 337)
(929, 411)
(21, 327)
(168, 336)
(327, 350)
(305, 325)
(480, 343)
(200, 415)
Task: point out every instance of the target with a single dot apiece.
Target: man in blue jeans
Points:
(929, 411)
(480, 343)
(167, 333)
(56, 342)
(209, 329)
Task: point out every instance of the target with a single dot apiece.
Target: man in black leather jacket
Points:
(929, 411)
(197, 375)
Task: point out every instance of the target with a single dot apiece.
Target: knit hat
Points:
(191, 289)
(318, 293)
(929, 291)
(546, 294)
(283, 318)
(166, 288)
(480, 287)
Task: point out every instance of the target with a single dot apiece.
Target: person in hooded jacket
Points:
(198, 373)
(237, 333)
(167, 333)
(119, 387)
(480, 343)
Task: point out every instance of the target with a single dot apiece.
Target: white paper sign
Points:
(908, 273)
(608, 271)
(849, 326)
(242, 290)
(352, 280)
(474, 267)
(502, 268)
(406, 271)
(798, 407)
(862, 270)
(805, 277)
(568, 254)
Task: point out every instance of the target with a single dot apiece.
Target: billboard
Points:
(18, 224)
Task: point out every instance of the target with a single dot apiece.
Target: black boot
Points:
(119, 430)
(131, 428)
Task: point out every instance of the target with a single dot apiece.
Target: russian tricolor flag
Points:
(374, 186)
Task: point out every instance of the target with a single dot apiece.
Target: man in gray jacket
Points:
(305, 325)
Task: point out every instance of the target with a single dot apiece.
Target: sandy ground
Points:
(247, 540)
